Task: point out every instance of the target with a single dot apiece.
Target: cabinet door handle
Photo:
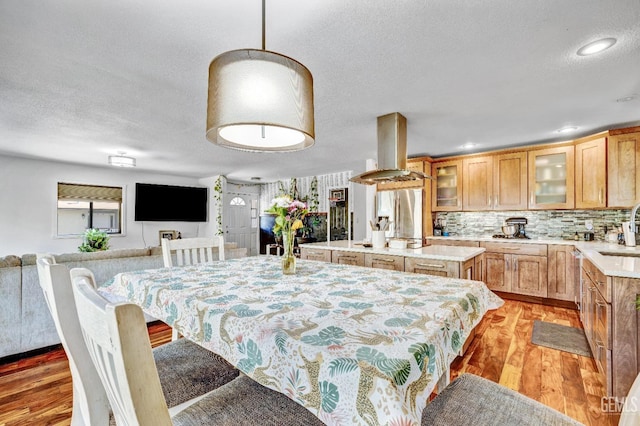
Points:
(495, 202)
(600, 195)
(531, 198)
(515, 264)
(348, 256)
(507, 261)
(383, 260)
(512, 248)
(429, 265)
(489, 200)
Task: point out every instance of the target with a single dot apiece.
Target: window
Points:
(81, 207)
(237, 201)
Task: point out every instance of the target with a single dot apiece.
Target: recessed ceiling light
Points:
(567, 129)
(596, 46)
(468, 145)
(121, 160)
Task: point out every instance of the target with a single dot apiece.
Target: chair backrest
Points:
(191, 251)
(90, 403)
(631, 408)
(117, 339)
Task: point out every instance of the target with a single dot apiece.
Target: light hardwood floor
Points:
(37, 390)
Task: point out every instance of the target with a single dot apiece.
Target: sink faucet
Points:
(629, 228)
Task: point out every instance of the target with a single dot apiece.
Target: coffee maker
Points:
(519, 223)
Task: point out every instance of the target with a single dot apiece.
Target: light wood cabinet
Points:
(551, 178)
(529, 275)
(516, 268)
(497, 182)
(315, 254)
(596, 321)
(446, 186)
(480, 269)
(591, 174)
(562, 269)
(510, 181)
(383, 261)
(413, 165)
(623, 169)
(442, 268)
(347, 258)
(477, 183)
(495, 272)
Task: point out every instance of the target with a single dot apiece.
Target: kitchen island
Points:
(602, 278)
(446, 261)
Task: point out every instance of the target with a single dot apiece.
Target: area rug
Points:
(561, 337)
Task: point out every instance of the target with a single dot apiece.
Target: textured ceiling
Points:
(81, 80)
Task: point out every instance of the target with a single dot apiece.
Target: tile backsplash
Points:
(557, 224)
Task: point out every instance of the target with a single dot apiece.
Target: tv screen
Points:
(167, 203)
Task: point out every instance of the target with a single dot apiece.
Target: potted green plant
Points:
(94, 240)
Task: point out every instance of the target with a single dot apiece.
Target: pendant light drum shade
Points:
(260, 101)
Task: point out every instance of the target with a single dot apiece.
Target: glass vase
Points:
(288, 259)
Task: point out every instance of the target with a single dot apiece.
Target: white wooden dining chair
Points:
(118, 342)
(186, 370)
(191, 251)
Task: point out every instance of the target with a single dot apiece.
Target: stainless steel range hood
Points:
(392, 153)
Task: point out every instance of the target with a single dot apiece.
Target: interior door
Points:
(241, 220)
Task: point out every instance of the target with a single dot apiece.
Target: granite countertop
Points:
(617, 260)
(453, 253)
(486, 238)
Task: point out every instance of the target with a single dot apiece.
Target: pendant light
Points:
(260, 101)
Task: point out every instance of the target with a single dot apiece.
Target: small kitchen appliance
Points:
(514, 228)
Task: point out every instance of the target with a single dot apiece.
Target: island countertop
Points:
(436, 252)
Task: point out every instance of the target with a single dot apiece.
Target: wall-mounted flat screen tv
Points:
(168, 203)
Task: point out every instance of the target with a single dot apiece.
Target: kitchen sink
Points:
(621, 253)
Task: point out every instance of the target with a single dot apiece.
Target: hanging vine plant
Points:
(217, 196)
(314, 199)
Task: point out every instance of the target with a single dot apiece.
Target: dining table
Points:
(353, 345)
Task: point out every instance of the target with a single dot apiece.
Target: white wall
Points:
(28, 193)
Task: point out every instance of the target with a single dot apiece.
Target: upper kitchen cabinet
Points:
(414, 166)
(477, 186)
(591, 173)
(623, 168)
(510, 181)
(496, 182)
(551, 178)
(446, 187)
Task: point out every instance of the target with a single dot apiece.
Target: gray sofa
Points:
(25, 321)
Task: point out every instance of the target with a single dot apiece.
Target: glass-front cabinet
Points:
(551, 178)
(447, 186)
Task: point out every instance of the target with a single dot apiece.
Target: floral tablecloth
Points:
(354, 345)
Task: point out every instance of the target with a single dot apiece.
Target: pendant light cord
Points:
(264, 34)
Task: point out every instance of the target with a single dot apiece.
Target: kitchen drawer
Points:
(599, 279)
(347, 258)
(442, 268)
(515, 248)
(602, 320)
(315, 254)
(384, 261)
(602, 357)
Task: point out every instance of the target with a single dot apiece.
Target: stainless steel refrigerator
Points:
(403, 208)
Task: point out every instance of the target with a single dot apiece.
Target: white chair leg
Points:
(175, 335)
